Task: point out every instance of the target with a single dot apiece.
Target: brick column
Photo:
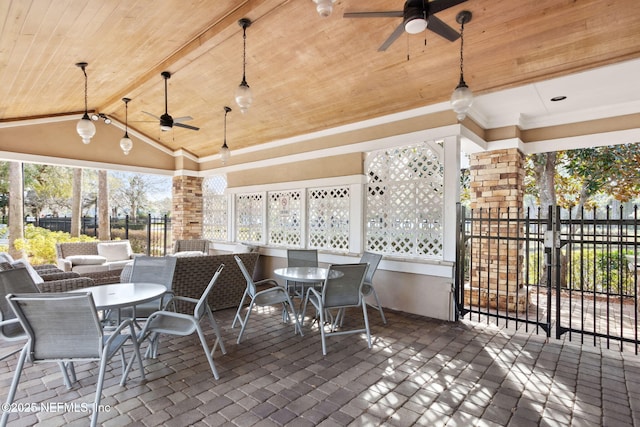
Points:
(186, 217)
(497, 193)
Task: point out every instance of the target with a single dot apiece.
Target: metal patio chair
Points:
(367, 287)
(181, 324)
(341, 289)
(276, 294)
(65, 328)
(301, 258)
(148, 269)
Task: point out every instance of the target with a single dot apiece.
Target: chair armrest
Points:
(64, 265)
(60, 275)
(264, 282)
(66, 285)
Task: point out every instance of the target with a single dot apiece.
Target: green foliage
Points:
(589, 271)
(137, 239)
(39, 244)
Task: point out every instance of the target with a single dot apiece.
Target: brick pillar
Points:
(186, 216)
(497, 193)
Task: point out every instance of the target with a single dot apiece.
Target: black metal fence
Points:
(558, 271)
(147, 234)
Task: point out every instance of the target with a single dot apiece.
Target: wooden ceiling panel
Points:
(306, 73)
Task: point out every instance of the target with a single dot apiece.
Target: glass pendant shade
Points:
(86, 129)
(324, 7)
(461, 100)
(225, 153)
(415, 26)
(126, 144)
(244, 97)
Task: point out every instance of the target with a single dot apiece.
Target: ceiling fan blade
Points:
(182, 125)
(388, 14)
(182, 119)
(393, 37)
(152, 115)
(439, 27)
(440, 5)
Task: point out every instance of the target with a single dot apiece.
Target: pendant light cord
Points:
(126, 119)
(86, 102)
(461, 54)
(244, 56)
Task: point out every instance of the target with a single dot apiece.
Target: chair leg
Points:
(207, 352)
(378, 306)
(237, 316)
(297, 327)
(135, 355)
(216, 330)
(366, 322)
(320, 310)
(244, 323)
(14, 384)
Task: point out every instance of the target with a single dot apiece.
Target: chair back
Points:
(13, 281)
(201, 305)
(302, 258)
(373, 260)
(189, 245)
(60, 326)
(251, 287)
(153, 270)
(342, 287)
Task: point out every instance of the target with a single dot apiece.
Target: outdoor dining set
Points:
(100, 322)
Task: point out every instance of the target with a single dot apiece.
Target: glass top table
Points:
(120, 295)
(302, 274)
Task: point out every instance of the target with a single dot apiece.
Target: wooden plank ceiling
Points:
(307, 73)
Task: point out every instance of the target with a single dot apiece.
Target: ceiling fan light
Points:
(324, 7)
(415, 26)
(86, 129)
(461, 100)
(126, 144)
(165, 128)
(244, 97)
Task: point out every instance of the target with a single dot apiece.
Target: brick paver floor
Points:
(419, 372)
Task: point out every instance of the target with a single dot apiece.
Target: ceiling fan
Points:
(417, 16)
(166, 121)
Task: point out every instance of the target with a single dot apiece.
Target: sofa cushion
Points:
(86, 259)
(115, 251)
(188, 253)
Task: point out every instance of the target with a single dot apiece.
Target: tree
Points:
(104, 227)
(16, 212)
(135, 190)
(76, 203)
(47, 187)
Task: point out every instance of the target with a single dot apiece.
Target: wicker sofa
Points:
(102, 261)
(193, 273)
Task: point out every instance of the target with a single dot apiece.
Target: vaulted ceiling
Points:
(307, 73)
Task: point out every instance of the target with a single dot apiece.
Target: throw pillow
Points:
(115, 251)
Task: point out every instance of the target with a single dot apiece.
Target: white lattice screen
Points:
(284, 212)
(249, 217)
(328, 213)
(405, 201)
(215, 208)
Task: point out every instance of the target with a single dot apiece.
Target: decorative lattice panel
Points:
(284, 216)
(328, 213)
(405, 201)
(215, 208)
(249, 214)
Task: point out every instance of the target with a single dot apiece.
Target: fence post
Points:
(166, 228)
(126, 227)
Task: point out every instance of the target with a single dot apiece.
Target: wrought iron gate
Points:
(554, 271)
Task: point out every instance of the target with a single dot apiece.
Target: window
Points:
(328, 213)
(285, 218)
(249, 217)
(215, 216)
(405, 201)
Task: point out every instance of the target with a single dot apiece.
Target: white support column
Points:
(357, 225)
(451, 195)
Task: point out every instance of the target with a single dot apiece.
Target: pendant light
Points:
(225, 153)
(125, 143)
(462, 97)
(244, 98)
(85, 127)
(324, 7)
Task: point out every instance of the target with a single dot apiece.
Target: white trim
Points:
(296, 185)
